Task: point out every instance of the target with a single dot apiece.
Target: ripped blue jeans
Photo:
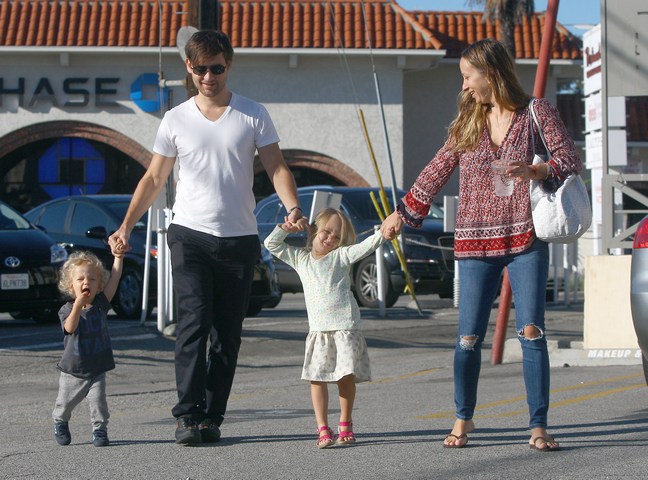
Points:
(479, 281)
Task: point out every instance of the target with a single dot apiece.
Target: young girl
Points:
(87, 354)
(336, 350)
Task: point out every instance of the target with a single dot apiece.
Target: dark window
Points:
(304, 177)
(87, 216)
(72, 171)
(270, 213)
(42, 170)
(569, 101)
(53, 218)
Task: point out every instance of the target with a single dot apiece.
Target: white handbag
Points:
(564, 215)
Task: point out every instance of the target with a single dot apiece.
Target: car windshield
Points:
(12, 220)
(360, 203)
(120, 208)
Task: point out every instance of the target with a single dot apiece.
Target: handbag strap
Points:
(550, 163)
(535, 120)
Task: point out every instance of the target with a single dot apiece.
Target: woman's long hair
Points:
(495, 62)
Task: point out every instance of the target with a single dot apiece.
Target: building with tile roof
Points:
(89, 70)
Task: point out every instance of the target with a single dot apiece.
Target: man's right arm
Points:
(148, 189)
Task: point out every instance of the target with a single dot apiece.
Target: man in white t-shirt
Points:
(213, 236)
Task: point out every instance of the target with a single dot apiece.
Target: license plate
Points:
(15, 281)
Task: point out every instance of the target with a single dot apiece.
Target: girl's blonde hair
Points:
(347, 232)
(75, 260)
(495, 62)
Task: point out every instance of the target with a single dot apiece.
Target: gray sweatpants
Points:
(74, 389)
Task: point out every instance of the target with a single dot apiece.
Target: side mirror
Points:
(98, 232)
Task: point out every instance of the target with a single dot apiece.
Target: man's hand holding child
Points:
(290, 227)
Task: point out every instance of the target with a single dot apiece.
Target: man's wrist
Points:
(297, 207)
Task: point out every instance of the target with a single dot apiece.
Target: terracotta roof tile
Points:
(90, 23)
(283, 24)
(457, 30)
(381, 24)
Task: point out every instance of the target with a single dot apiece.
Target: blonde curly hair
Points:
(75, 260)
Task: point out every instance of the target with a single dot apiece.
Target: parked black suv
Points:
(428, 250)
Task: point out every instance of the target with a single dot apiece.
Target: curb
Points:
(572, 353)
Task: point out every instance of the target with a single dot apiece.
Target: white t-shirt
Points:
(216, 164)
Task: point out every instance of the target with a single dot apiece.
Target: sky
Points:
(570, 12)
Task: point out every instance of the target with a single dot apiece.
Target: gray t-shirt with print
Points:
(88, 351)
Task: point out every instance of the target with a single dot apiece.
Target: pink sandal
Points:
(346, 437)
(324, 441)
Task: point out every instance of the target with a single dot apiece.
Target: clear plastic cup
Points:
(503, 184)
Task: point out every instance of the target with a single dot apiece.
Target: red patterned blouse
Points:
(488, 225)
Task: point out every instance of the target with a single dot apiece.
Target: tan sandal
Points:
(456, 439)
(546, 440)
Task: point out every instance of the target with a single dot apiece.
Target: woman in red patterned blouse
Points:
(492, 231)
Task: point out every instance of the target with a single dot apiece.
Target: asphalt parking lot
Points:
(599, 414)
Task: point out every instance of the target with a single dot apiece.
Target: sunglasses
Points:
(214, 69)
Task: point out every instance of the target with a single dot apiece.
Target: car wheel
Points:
(253, 309)
(22, 315)
(366, 285)
(45, 315)
(274, 302)
(128, 298)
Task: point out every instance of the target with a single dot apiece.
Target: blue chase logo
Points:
(147, 94)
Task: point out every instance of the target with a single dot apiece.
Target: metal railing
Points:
(617, 229)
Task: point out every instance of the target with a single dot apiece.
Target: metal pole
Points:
(147, 267)
(554, 267)
(162, 264)
(387, 147)
(544, 56)
(499, 337)
(566, 274)
(538, 91)
(576, 276)
(380, 277)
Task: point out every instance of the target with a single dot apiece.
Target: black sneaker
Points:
(100, 437)
(187, 431)
(209, 431)
(62, 433)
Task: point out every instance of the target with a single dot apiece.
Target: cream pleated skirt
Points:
(332, 355)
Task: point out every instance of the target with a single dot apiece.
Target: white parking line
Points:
(263, 323)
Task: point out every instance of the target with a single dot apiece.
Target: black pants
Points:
(212, 278)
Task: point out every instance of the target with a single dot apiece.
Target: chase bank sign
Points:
(80, 92)
(145, 87)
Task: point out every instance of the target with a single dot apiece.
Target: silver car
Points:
(639, 289)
